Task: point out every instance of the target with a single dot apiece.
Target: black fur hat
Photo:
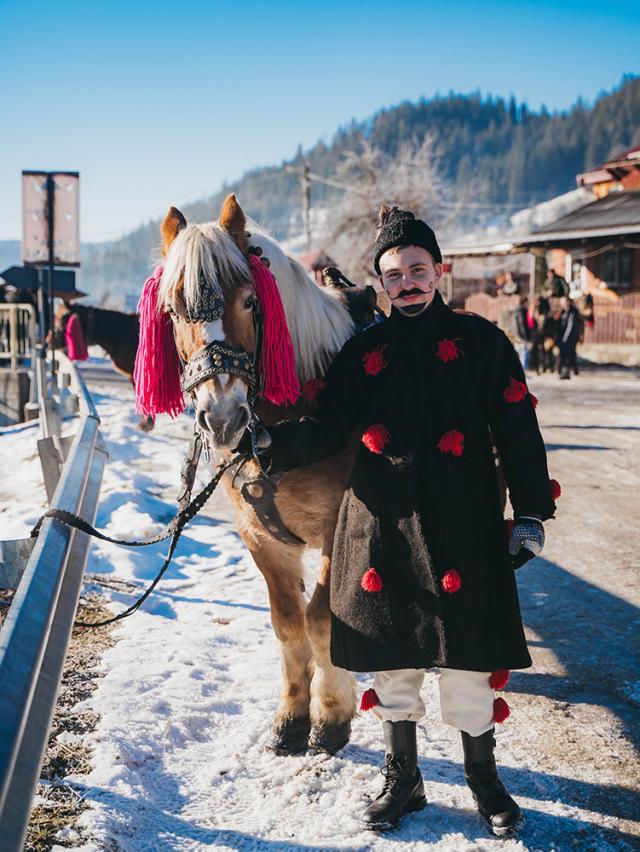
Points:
(401, 228)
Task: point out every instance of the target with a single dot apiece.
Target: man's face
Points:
(410, 277)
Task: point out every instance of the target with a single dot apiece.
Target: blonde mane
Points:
(319, 322)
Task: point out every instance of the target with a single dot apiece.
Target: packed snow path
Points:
(189, 689)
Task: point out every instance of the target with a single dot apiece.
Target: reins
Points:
(188, 510)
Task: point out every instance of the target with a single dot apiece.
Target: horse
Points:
(116, 332)
(213, 264)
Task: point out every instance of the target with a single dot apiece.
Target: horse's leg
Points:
(281, 567)
(333, 690)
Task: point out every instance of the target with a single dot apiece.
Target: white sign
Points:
(65, 197)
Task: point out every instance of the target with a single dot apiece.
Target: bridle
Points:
(219, 357)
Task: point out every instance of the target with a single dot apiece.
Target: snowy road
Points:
(189, 689)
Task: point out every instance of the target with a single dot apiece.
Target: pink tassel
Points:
(277, 359)
(156, 374)
(74, 338)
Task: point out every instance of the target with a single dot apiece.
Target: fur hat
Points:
(401, 228)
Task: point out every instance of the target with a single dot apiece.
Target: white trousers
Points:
(466, 699)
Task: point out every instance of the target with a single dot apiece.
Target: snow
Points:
(188, 690)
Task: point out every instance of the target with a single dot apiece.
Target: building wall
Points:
(630, 181)
(557, 259)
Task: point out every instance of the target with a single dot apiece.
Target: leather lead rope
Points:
(173, 530)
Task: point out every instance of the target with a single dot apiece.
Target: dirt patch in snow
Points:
(58, 803)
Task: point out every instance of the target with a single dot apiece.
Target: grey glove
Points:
(526, 541)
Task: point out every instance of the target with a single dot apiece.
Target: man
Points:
(568, 335)
(421, 573)
(555, 285)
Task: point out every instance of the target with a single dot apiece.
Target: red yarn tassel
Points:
(499, 679)
(501, 710)
(156, 374)
(74, 338)
(277, 359)
(369, 700)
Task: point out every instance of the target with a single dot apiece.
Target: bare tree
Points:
(412, 180)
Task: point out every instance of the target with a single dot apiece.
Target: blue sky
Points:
(159, 103)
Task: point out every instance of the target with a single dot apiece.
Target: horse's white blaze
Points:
(212, 331)
(208, 399)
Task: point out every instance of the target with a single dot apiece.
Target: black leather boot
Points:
(403, 790)
(502, 814)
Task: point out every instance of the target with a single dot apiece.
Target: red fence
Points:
(616, 321)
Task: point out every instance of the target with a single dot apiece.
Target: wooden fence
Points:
(616, 320)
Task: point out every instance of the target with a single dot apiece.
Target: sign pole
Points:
(50, 203)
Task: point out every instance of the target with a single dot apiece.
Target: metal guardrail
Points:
(17, 332)
(35, 636)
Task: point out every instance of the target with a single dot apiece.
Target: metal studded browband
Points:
(208, 307)
(214, 359)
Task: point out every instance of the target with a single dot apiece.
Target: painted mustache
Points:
(414, 292)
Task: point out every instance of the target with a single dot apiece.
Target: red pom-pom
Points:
(371, 581)
(534, 400)
(556, 490)
(500, 710)
(499, 678)
(452, 442)
(376, 438)
(508, 527)
(516, 391)
(451, 582)
(375, 361)
(448, 350)
(312, 388)
(369, 700)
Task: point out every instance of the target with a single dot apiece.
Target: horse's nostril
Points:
(201, 420)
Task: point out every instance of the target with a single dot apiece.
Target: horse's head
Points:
(227, 324)
(207, 289)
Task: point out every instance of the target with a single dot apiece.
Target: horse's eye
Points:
(249, 302)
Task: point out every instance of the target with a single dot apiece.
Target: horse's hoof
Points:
(146, 424)
(291, 736)
(330, 738)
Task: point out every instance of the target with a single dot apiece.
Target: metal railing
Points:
(17, 332)
(35, 636)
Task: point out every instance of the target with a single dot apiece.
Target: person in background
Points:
(519, 331)
(568, 336)
(555, 286)
(510, 286)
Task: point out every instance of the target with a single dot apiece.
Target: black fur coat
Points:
(420, 574)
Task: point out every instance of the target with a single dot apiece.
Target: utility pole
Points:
(306, 206)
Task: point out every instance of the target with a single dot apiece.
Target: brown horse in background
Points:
(317, 700)
(116, 332)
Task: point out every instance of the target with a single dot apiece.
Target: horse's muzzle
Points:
(225, 432)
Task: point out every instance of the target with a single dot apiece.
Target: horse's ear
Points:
(173, 223)
(233, 220)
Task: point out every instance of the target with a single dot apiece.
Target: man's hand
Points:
(526, 541)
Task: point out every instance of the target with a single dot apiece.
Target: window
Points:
(616, 267)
